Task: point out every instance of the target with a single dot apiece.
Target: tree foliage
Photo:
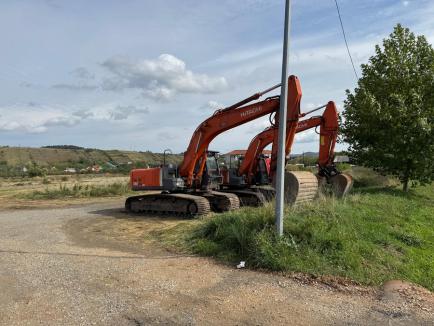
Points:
(389, 118)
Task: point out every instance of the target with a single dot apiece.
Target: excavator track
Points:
(268, 192)
(222, 201)
(173, 204)
(300, 187)
(248, 197)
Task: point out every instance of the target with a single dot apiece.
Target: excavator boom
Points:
(231, 117)
(329, 125)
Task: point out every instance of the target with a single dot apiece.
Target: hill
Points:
(58, 158)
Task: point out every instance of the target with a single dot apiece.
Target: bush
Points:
(365, 177)
(35, 171)
(343, 167)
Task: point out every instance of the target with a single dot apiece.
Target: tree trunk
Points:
(406, 176)
(405, 184)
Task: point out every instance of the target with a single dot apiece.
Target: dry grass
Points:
(18, 192)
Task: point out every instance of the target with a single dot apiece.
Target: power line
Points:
(345, 39)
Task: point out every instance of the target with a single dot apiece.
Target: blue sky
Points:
(143, 74)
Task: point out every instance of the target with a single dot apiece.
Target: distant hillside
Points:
(61, 157)
(306, 154)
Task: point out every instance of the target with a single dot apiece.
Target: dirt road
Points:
(53, 274)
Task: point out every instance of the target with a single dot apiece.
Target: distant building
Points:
(70, 170)
(94, 168)
(342, 159)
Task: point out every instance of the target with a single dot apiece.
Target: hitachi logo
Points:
(251, 111)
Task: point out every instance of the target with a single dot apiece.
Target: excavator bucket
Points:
(300, 186)
(341, 184)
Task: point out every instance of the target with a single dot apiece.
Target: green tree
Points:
(389, 119)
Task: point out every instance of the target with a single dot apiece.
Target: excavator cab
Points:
(211, 178)
(262, 176)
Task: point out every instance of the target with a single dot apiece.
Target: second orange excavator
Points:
(255, 171)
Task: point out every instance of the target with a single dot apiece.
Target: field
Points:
(60, 190)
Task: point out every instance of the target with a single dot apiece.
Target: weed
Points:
(79, 191)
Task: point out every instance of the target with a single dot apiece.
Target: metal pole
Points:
(280, 173)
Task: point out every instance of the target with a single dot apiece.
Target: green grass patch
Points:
(369, 238)
(79, 191)
(376, 234)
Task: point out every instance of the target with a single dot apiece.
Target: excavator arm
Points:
(328, 123)
(231, 117)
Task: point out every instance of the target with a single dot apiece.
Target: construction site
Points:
(288, 205)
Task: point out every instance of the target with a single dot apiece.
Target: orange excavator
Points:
(255, 171)
(192, 188)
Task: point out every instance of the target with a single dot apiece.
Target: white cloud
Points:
(160, 78)
(308, 136)
(212, 105)
(258, 125)
(84, 76)
(82, 73)
(124, 112)
(31, 118)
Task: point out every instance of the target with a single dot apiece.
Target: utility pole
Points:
(280, 173)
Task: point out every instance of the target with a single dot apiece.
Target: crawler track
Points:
(225, 201)
(173, 204)
(248, 197)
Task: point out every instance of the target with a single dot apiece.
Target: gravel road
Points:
(48, 278)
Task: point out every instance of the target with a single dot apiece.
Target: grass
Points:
(376, 234)
(79, 191)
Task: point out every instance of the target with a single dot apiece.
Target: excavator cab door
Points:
(263, 173)
(211, 178)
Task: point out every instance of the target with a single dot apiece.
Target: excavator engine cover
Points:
(147, 179)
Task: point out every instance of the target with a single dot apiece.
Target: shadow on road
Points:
(121, 213)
